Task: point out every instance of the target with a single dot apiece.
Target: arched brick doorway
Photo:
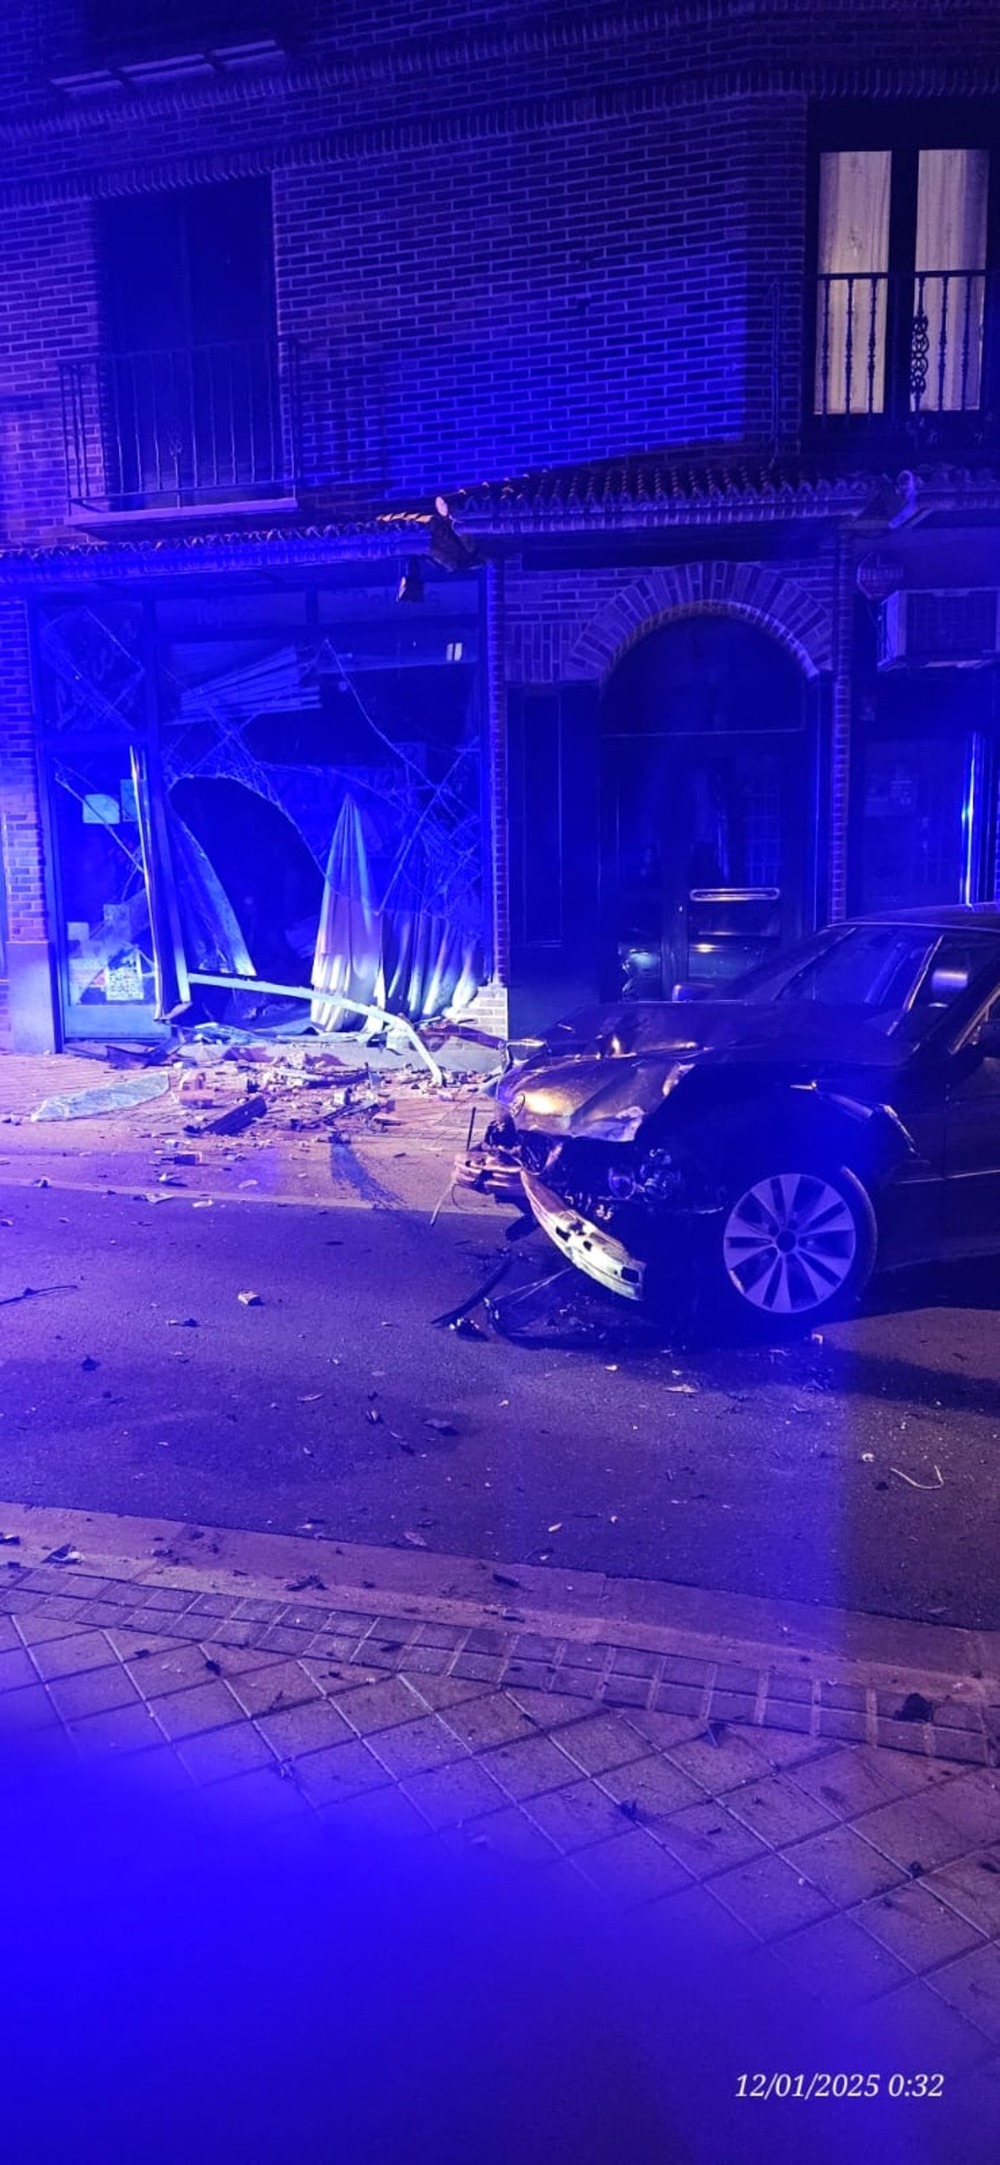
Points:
(707, 804)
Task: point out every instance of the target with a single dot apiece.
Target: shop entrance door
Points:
(707, 859)
(707, 842)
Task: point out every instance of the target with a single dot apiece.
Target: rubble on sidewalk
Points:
(259, 1090)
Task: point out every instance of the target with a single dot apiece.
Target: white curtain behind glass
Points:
(951, 250)
(853, 257)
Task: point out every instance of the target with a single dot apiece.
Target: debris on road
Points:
(911, 1483)
(452, 1317)
(89, 1362)
(239, 1117)
(441, 1428)
(67, 1554)
(414, 1541)
(34, 1292)
(249, 1300)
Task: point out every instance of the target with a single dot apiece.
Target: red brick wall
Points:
(20, 833)
(48, 309)
(507, 235)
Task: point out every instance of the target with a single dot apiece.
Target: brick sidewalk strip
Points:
(629, 1677)
(791, 1822)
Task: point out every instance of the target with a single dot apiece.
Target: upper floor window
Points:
(190, 395)
(901, 258)
(188, 266)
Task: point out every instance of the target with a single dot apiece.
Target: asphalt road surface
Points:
(862, 1470)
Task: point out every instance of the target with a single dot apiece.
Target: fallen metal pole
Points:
(308, 992)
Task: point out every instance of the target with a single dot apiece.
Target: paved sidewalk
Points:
(399, 1152)
(296, 1682)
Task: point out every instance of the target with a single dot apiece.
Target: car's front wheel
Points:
(794, 1246)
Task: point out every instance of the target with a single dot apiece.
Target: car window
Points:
(991, 1012)
(957, 961)
(902, 978)
(873, 967)
(769, 979)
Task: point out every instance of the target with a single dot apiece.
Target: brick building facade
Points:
(649, 295)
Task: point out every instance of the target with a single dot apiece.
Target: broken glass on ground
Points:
(112, 1098)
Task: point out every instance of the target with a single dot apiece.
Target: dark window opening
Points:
(921, 791)
(268, 874)
(191, 394)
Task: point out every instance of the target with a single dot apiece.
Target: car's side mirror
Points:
(519, 1049)
(687, 990)
(987, 1038)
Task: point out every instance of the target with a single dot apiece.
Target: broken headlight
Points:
(658, 1179)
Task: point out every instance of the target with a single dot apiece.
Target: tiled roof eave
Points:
(135, 556)
(523, 519)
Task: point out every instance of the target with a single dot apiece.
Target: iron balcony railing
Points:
(181, 425)
(890, 346)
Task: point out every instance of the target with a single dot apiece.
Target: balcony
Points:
(911, 354)
(181, 427)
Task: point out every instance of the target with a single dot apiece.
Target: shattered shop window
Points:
(324, 795)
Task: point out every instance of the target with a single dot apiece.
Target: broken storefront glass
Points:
(295, 800)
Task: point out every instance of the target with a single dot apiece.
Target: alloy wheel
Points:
(790, 1243)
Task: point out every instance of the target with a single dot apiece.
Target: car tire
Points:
(793, 1246)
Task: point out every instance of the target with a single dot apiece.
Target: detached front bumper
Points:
(490, 1170)
(589, 1247)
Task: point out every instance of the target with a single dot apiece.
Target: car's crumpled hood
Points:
(620, 1062)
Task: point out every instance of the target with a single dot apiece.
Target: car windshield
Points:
(902, 978)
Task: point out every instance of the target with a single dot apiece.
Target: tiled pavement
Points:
(862, 1872)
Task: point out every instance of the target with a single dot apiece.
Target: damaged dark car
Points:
(836, 1113)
